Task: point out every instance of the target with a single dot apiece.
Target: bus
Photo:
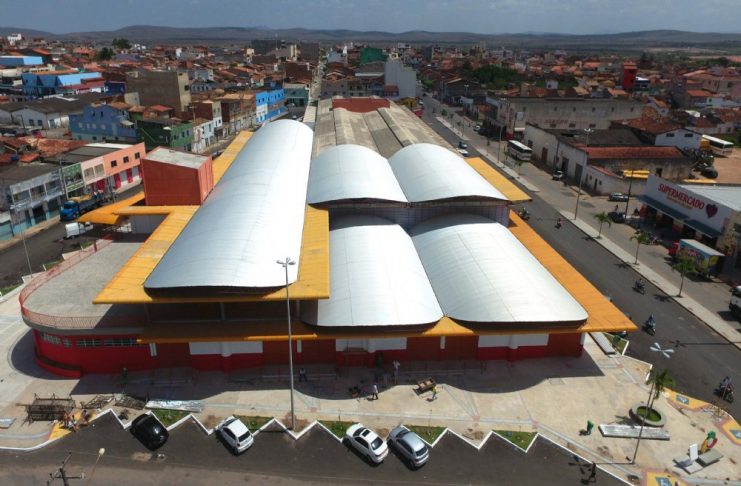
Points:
(718, 146)
(518, 150)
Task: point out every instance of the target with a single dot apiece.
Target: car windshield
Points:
(69, 204)
(244, 436)
(421, 452)
(376, 443)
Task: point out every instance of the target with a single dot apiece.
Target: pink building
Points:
(107, 167)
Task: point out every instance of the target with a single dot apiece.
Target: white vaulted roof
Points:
(482, 273)
(429, 172)
(253, 217)
(376, 278)
(352, 172)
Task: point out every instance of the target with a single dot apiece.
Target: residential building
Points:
(29, 195)
(204, 135)
(309, 51)
(165, 132)
(665, 133)
(237, 112)
(104, 122)
(403, 77)
(100, 167)
(50, 83)
(20, 61)
(510, 115)
(296, 94)
(160, 87)
(46, 113)
(210, 110)
(269, 105)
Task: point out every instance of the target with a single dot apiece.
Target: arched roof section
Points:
(352, 172)
(482, 273)
(376, 278)
(253, 217)
(428, 172)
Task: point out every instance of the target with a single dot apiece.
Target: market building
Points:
(397, 251)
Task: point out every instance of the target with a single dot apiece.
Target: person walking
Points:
(593, 474)
(302, 375)
(434, 393)
(374, 394)
(396, 366)
(558, 223)
(590, 426)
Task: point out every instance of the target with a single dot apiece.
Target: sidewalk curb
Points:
(12, 293)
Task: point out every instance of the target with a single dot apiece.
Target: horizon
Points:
(481, 17)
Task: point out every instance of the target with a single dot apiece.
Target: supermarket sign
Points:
(684, 200)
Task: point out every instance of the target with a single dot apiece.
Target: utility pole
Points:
(581, 173)
(62, 474)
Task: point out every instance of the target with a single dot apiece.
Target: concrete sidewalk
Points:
(552, 396)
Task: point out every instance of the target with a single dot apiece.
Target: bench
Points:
(425, 385)
(710, 457)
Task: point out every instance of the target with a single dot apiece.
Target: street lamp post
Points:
(499, 150)
(667, 354)
(285, 264)
(581, 174)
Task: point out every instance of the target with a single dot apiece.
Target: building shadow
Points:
(22, 359)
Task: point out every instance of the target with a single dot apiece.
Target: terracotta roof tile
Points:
(648, 152)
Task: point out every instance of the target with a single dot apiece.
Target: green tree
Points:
(444, 113)
(104, 54)
(121, 44)
(640, 238)
(602, 218)
(659, 382)
(685, 265)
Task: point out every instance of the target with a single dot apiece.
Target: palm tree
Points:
(602, 218)
(659, 382)
(685, 265)
(641, 238)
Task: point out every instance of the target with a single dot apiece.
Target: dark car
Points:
(149, 431)
(616, 216)
(462, 145)
(558, 175)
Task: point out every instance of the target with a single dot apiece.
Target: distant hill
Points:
(151, 33)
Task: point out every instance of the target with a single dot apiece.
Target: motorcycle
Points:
(650, 326)
(640, 287)
(724, 393)
(524, 214)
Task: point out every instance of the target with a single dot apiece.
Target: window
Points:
(136, 156)
(572, 125)
(573, 110)
(594, 109)
(119, 342)
(612, 109)
(592, 125)
(632, 109)
(102, 126)
(50, 338)
(88, 343)
(555, 108)
(553, 125)
(126, 159)
(659, 171)
(687, 135)
(79, 124)
(114, 163)
(95, 138)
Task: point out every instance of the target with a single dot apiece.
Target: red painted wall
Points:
(168, 184)
(360, 105)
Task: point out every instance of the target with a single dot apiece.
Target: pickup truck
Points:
(76, 206)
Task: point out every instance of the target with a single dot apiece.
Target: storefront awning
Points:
(676, 215)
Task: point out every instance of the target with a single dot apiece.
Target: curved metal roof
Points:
(429, 172)
(253, 217)
(376, 278)
(352, 172)
(482, 273)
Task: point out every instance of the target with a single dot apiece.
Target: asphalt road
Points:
(701, 357)
(44, 247)
(191, 457)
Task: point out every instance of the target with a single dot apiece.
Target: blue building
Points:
(108, 122)
(38, 85)
(269, 105)
(20, 61)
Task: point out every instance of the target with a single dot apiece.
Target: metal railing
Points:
(69, 322)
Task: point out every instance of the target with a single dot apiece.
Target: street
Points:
(44, 247)
(701, 358)
(192, 457)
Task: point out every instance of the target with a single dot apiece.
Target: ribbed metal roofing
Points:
(376, 278)
(352, 172)
(253, 217)
(429, 172)
(482, 273)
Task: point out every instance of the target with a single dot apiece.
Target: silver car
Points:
(236, 435)
(409, 445)
(367, 443)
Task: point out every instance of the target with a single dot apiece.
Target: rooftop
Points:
(609, 137)
(11, 174)
(176, 157)
(729, 196)
(645, 152)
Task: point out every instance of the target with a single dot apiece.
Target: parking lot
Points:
(316, 457)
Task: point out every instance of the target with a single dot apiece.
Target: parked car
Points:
(463, 152)
(462, 145)
(477, 128)
(558, 175)
(618, 197)
(367, 442)
(409, 445)
(236, 435)
(149, 431)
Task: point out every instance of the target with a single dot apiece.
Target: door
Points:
(117, 180)
(129, 176)
(544, 155)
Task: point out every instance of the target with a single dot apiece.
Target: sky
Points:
(479, 16)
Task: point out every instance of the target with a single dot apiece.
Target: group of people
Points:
(70, 422)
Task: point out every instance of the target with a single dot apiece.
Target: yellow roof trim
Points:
(127, 286)
(603, 315)
(499, 181)
(108, 214)
(224, 161)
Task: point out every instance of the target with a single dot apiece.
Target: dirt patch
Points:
(300, 423)
(210, 421)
